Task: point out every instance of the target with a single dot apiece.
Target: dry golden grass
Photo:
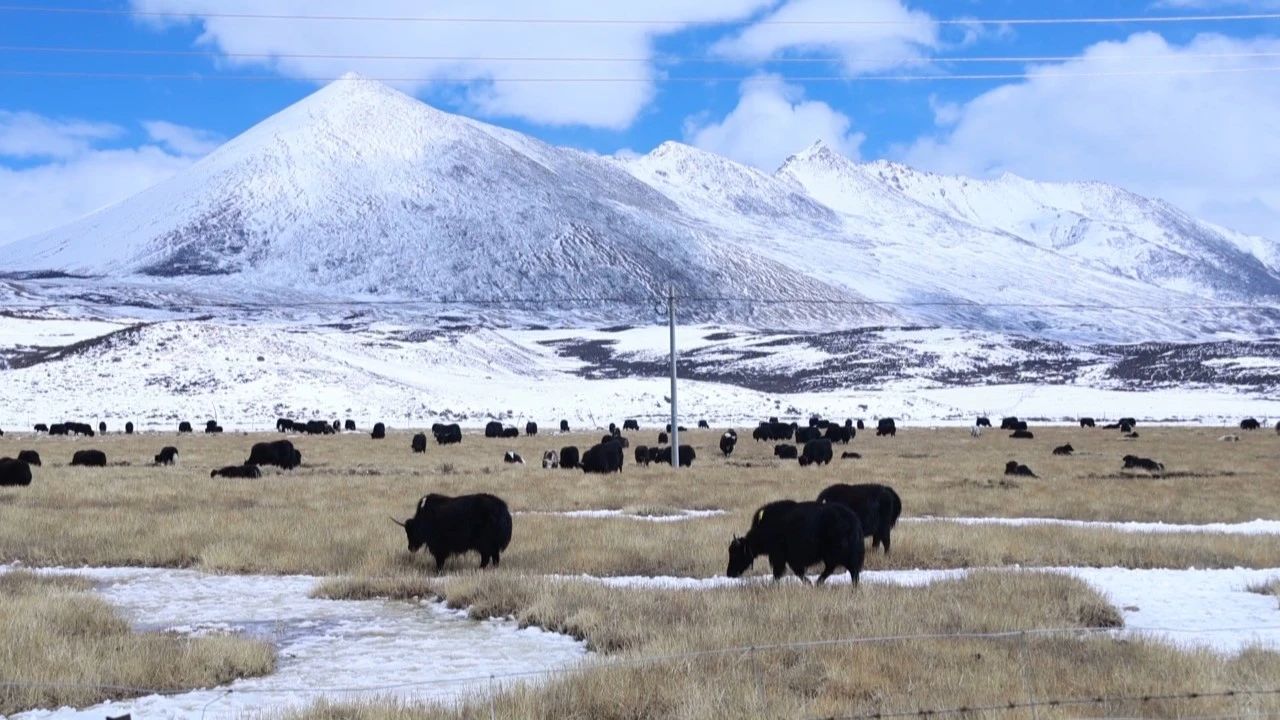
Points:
(330, 517)
(891, 676)
(52, 631)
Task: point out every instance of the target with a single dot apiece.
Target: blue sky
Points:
(1206, 141)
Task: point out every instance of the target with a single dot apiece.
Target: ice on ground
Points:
(327, 648)
(1252, 527)
(677, 516)
(1188, 608)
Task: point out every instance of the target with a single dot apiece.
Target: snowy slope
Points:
(359, 191)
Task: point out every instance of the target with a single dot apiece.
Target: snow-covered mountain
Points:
(359, 191)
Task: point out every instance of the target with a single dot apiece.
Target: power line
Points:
(1157, 19)
(656, 59)
(480, 77)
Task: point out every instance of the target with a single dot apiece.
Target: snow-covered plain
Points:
(327, 648)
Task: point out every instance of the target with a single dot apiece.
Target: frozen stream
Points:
(421, 651)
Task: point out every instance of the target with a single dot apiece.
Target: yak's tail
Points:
(891, 509)
(500, 518)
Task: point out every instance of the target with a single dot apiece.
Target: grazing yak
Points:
(78, 428)
(14, 473)
(663, 438)
(850, 456)
(1088, 422)
(419, 443)
(682, 428)
(569, 458)
(337, 426)
(41, 428)
(280, 453)
(30, 457)
(512, 457)
(1132, 462)
(886, 426)
(704, 425)
(805, 434)
(510, 432)
(983, 422)
(249, 472)
(349, 425)
(630, 425)
(564, 426)
(602, 459)
(1250, 424)
(102, 428)
(550, 460)
(798, 535)
(89, 458)
(642, 455)
(1022, 435)
(840, 434)
(878, 508)
(447, 434)
(128, 428)
(774, 430)
(168, 455)
(686, 457)
(1013, 468)
(284, 425)
(785, 452)
(212, 429)
(1064, 449)
(184, 427)
(816, 452)
(58, 429)
(531, 428)
(493, 429)
(379, 431)
(727, 442)
(862, 425)
(450, 526)
(1009, 423)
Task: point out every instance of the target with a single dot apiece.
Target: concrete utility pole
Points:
(675, 415)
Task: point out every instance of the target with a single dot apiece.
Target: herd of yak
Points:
(793, 535)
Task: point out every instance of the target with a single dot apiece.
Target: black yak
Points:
(510, 432)
(862, 425)
(168, 455)
(419, 443)
(797, 535)
(1250, 424)
(886, 426)
(89, 458)
(30, 457)
(727, 442)
(1088, 422)
(237, 471)
(349, 425)
(447, 434)
(642, 455)
(805, 434)
(1013, 468)
(212, 429)
(663, 439)
(280, 453)
(704, 425)
(450, 526)
(564, 426)
(379, 431)
(184, 427)
(531, 428)
(839, 434)
(41, 427)
(1151, 466)
(493, 429)
(1022, 435)
(878, 508)
(602, 459)
(1009, 423)
(569, 458)
(785, 451)
(14, 473)
(102, 428)
(630, 425)
(128, 428)
(850, 456)
(984, 422)
(1064, 449)
(284, 425)
(687, 455)
(816, 452)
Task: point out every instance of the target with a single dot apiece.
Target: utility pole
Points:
(675, 415)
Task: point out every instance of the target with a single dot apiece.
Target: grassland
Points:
(54, 632)
(331, 518)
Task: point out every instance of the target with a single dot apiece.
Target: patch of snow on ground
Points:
(1188, 608)
(1252, 527)
(413, 651)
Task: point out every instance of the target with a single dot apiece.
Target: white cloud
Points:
(77, 175)
(903, 38)
(771, 122)
(181, 139)
(1209, 143)
(598, 104)
(28, 135)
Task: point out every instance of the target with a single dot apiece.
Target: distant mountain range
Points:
(359, 191)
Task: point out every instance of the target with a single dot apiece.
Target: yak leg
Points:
(779, 565)
(884, 542)
(439, 562)
(827, 569)
(496, 560)
(484, 561)
(799, 571)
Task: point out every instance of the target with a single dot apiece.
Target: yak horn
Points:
(397, 522)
